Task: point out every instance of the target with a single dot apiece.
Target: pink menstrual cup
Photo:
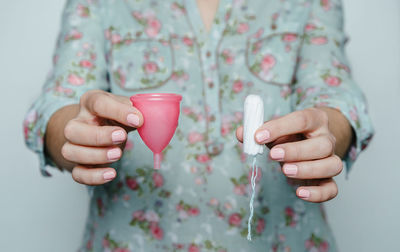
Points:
(161, 114)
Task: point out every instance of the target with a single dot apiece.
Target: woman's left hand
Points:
(304, 144)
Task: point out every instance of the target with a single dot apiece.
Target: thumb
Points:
(112, 108)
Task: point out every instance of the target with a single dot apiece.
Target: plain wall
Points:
(42, 214)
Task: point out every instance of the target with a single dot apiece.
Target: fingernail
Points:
(114, 154)
(118, 136)
(290, 170)
(303, 193)
(262, 136)
(109, 175)
(133, 120)
(277, 153)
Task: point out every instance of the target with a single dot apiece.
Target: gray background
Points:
(41, 214)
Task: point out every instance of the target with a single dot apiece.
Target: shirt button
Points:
(211, 118)
(215, 148)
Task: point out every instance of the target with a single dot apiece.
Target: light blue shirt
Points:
(291, 53)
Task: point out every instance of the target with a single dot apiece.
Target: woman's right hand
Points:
(97, 135)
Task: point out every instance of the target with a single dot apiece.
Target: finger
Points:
(90, 155)
(81, 133)
(304, 121)
(123, 99)
(326, 190)
(93, 176)
(104, 105)
(280, 140)
(286, 139)
(323, 168)
(239, 134)
(309, 149)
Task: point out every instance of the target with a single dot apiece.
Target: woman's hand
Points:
(94, 137)
(305, 143)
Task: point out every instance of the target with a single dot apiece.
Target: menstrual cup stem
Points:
(157, 161)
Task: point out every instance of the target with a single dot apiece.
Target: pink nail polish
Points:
(109, 175)
(303, 193)
(262, 136)
(118, 136)
(133, 120)
(277, 153)
(114, 154)
(290, 170)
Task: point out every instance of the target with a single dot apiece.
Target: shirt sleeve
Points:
(79, 65)
(323, 75)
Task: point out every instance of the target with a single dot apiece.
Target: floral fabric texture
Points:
(290, 52)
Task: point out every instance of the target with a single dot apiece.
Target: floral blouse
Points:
(290, 52)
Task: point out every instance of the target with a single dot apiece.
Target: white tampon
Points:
(253, 119)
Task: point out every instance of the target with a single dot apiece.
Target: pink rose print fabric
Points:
(289, 52)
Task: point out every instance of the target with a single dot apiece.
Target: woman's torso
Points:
(199, 199)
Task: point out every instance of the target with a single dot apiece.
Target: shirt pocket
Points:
(272, 59)
(138, 64)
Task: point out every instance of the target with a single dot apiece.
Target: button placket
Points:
(214, 142)
(207, 45)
